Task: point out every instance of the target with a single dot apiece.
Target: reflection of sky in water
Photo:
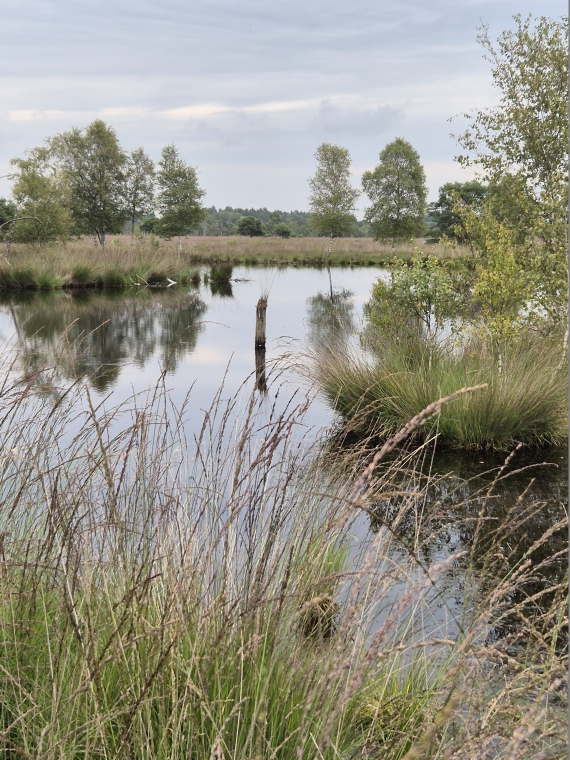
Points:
(218, 348)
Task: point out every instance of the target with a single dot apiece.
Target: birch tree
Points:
(43, 199)
(138, 187)
(332, 199)
(94, 163)
(179, 196)
(398, 192)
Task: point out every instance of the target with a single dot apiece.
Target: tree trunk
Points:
(330, 246)
(260, 312)
(132, 232)
(103, 241)
(179, 244)
(11, 236)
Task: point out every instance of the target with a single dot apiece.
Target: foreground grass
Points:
(80, 264)
(161, 600)
(526, 398)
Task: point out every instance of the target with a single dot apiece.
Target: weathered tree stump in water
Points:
(260, 380)
(260, 312)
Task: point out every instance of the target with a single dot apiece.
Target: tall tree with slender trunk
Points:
(398, 191)
(138, 187)
(179, 196)
(94, 163)
(332, 198)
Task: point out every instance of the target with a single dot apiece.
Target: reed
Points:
(154, 596)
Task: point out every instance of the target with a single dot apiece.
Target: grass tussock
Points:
(525, 399)
(80, 264)
(166, 600)
(221, 273)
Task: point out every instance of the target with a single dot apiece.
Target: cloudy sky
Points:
(247, 90)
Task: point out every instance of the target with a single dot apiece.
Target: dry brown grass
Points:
(149, 252)
(80, 263)
(296, 250)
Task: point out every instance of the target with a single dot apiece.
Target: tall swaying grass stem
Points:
(222, 597)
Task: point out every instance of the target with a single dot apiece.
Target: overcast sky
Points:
(248, 90)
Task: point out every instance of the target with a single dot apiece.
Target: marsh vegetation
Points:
(228, 602)
(79, 265)
(337, 529)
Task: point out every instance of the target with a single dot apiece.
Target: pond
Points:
(202, 338)
(203, 335)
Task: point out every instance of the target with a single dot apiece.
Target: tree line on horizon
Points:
(83, 183)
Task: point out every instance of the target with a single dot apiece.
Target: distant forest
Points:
(224, 222)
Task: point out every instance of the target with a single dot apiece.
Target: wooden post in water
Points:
(260, 311)
(260, 379)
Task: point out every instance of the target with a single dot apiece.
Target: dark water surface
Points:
(203, 338)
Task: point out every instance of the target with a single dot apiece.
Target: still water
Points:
(202, 338)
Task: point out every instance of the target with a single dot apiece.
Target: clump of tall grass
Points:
(376, 392)
(154, 596)
(221, 280)
(80, 264)
(221, 273)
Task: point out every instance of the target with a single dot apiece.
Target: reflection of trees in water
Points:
(94, 334)
(330, 317)
(500, 522)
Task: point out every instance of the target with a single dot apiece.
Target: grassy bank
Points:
(161, 600)
(80, 264)
(526, 398)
